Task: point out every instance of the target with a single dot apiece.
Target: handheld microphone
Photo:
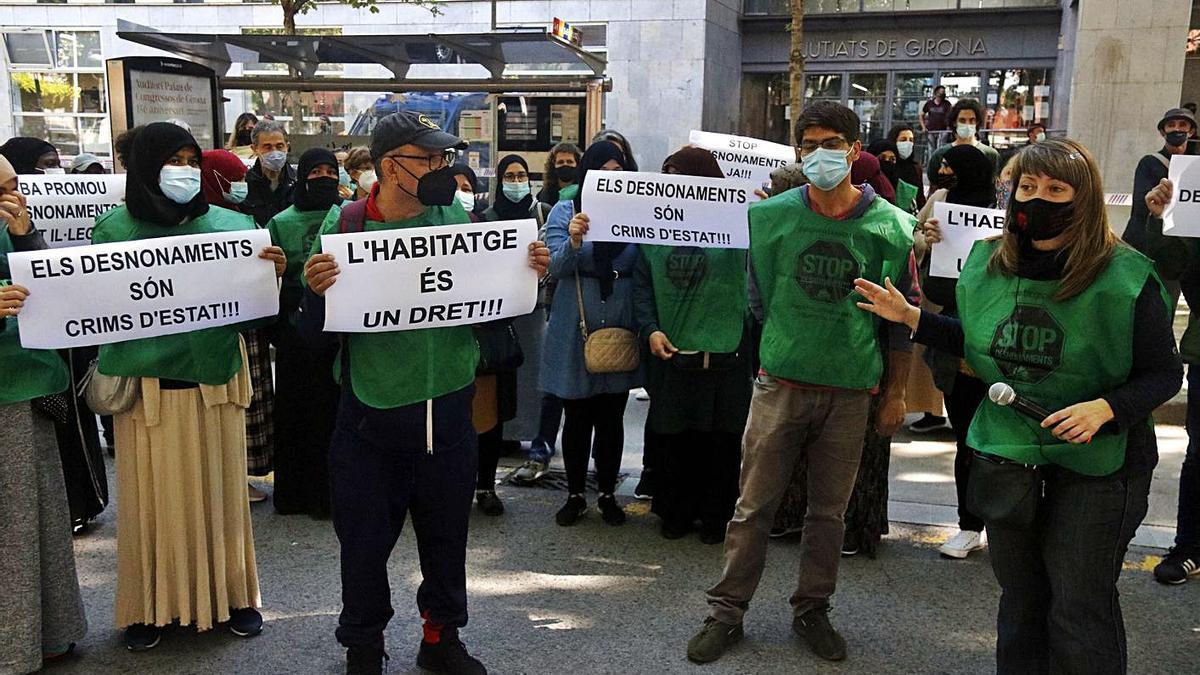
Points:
(1002, 394)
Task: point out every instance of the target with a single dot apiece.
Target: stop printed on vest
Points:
(962, 226)
(744, 158)
(667, 209)
(1181, 218)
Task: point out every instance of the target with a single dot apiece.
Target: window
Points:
(58, 89)
(1017, 98)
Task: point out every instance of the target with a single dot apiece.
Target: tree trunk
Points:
(289, 16)
(796, 63)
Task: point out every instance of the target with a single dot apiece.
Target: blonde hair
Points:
(1089, 241)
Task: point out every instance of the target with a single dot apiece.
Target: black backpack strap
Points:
(353, 218)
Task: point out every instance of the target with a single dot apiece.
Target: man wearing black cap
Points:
(404, 443)
(1176, 126)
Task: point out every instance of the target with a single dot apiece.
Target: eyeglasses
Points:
(439, 161)
(831, 143)
(516, 177)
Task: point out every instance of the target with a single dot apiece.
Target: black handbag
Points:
(55, 407)
(1004, 493)
(499, 348)
(701, 361)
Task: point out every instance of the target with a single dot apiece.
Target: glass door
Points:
(868, 98)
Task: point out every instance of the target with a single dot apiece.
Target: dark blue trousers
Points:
(380, 472)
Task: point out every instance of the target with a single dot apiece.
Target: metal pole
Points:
(493, 14)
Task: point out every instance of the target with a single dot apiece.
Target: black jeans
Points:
(964, 399)
(1059, 608)
(379, 472)
(1187, 534)
(603, 414)
(698, 478)
(542, 447)
(491, 446)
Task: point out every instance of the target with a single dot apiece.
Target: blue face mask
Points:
(343, 177)
(515, 192)
(826, 169)
(180, 184)
(237, 192)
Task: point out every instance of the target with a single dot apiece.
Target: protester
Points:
(936, 116)
(819, 363)
(1061, 500)
(964, 178)
(223, 179)
(31, 155)
(867, 170)
(513, 198)
(403, 444)
(362, 174)
(601, 277)
(691, 307)
(306, 395)
(241, 141)
(467, 182)
(86, 162)
(562, 170)
(967, 115)
(908, 170)
(42, 608)
(1036, 133)
(271, 179)
(618, 139)
(185, 549)
(1175, 127)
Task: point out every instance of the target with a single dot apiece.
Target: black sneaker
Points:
(1177, 566)
(712, 535)
(610, 510)
(489, 503)
(141, 637)
(672, 530)
(245, 622)
(645, 487)
(366, 660)
(712, 641)
(928, 423)
(572, 511)
(849, 544)
(449, 656)
(814, 627)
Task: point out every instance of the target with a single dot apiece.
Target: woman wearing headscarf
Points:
(42, 609)
(31, 155)
(691, 305)
(467, 184)
(964, 177)
(223, 179)
(908, 169)
(866, 170)
(618, 139)
(185, 549)
(75, 428)
(306, 395)
(596, 277)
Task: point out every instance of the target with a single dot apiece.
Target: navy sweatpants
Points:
(379, 472)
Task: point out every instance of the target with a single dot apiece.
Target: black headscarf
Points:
(972, 169)
(315, 200)
(468, 172)
(598, 154)
(880, 146)
(505, 208)
(23, 153)
(148, 153)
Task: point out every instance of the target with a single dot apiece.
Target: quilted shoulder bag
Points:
(109, 394)
(607, 350)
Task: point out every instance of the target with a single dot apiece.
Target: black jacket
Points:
(262, 202)
(1150, 170)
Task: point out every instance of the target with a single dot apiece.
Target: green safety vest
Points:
(701, 295)
(207, 356)
(906, 195)
(295, 231)
(804, 265)
(1055, 353)
(394, 369)
(25, 374)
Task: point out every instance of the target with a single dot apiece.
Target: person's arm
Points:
(564, 258)
(891, 412)
(920, 186)
(1157, 371)
(921, 117)
(943, 333)
(1145, 177)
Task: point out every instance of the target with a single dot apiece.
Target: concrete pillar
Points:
(1126, 70)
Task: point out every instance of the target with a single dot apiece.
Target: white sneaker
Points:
(960, 545)
(641, 394)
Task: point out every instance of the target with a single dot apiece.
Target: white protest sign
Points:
(94, 295)
(64, 206)
(430, 277)
(1181, 218)
(667, 209)
(742, 157)
(962, 226)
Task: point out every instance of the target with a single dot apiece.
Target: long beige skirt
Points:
(922, 396)
(185, 546)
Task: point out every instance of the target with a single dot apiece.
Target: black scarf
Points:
(151, 148)
(877, 148)
(23, 153)
(1038, 265)
(302, 197)
(973, 171)
(598, 154)
(502, 205)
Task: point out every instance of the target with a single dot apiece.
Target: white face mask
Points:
(1039, 136)
(367, 180)
(180, 184)
(965, 130)
(905, 148)
(466, 199)
(53, 170)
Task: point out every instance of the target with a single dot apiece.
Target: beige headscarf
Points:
(7, 172)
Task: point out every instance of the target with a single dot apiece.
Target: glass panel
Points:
(92, 98)
(1016, 98)
(27, 48)
(829, 6)
(95, 136)
(868, 98)
(64, 49)
(59, 130)
(905, 5)
(963, 84)
(822, 88)
(43, 92)
(88, 54)
(912, 90)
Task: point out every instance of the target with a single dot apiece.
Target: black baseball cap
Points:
(1177, 114)
(410, 128)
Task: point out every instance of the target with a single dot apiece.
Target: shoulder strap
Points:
(353, 217)
(579, 297)
(1165, 162)
(540, 211)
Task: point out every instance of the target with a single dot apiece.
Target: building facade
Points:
(1079, 66)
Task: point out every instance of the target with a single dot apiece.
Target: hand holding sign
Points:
(1158, 198)
(321, 271)
(959, 228)
(14, 214)
(12, 299)
(578, 229)
(1181, 216)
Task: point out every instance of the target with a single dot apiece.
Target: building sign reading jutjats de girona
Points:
(833, 50)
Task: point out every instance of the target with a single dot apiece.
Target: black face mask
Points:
(566, 174)
(435, 188)
(1039, 220)
(946, 181)
(242, 137)
(1176, 138)
(323, 190)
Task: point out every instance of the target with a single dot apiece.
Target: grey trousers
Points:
(786, 424)
(40, 603)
